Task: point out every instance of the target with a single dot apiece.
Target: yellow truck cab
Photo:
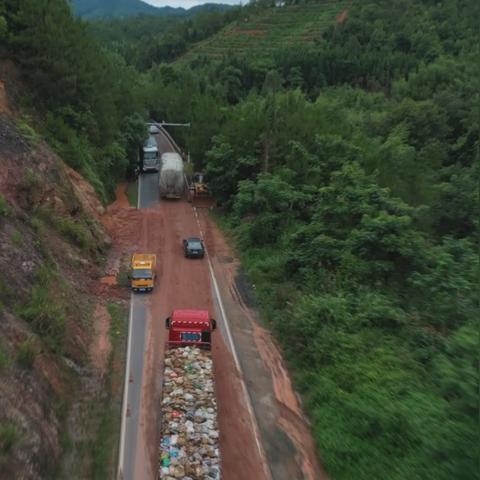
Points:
(142, 275)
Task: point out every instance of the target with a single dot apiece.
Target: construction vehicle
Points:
(150, 160)
(142, 274)
(171, 181)
(199, 185)
(190, 328)
(198, 190)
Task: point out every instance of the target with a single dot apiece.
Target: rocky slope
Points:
(50, 247)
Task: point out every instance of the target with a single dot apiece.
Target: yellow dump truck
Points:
(142, 274)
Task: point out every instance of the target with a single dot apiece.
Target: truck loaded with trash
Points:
(189, 445)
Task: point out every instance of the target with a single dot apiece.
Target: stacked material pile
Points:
(189, 438)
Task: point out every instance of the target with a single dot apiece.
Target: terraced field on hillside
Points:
(271, 30)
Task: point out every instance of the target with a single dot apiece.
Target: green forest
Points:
(346, 170)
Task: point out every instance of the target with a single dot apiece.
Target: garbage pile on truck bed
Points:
(189, 446)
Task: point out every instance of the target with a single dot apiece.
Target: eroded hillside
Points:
(51, 252)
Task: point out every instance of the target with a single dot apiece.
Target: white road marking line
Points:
(125, 393)
(234, 352)
(127, 368)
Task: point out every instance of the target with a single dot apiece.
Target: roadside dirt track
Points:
(284, 430)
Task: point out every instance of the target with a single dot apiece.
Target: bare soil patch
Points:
(100, 346)
(252, 33)
(341, 17)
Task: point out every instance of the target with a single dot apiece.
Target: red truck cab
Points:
(190, 327)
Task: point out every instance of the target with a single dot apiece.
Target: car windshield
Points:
(194, 245)
(150, 156)
(142, 273)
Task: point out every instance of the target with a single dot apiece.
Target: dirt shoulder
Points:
(284, 430)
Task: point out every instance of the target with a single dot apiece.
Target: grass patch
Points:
(74, 231)
(4, 358)
(16, 238)
(77, 232)
(123, 274)
(9, 436)
(118, 315)
(102, 462)
(4, 207)
(46, 311)
(27, 131)
(105, 448)
(6, 292)
(30, 186)
(26, 354)
(132, 193)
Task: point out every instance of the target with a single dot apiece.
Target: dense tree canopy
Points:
(94, 113)
(348, 173)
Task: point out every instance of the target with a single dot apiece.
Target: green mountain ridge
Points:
(92, 9)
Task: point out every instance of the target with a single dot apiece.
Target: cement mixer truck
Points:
(171, 179)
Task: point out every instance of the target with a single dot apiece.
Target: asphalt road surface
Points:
(131, 442)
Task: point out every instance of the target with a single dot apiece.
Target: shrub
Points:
(118, 315)
(4, 208)
(45, 312)
(74, 231)
(4, 359)
(27, 131)
(9, 436)
(36, 223)
(123, 276)
(3, 27)
(16, 238)
(30, 185)
(6, 292)
(26, 354)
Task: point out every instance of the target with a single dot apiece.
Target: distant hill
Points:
(259, 33)
(95, 9)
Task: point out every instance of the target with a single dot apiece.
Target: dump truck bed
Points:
(144, 260)
(189, 444)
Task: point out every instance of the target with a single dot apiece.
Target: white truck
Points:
(171, 179)
(150, 160)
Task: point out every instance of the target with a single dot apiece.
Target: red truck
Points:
(189, 435)
(190, 328)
